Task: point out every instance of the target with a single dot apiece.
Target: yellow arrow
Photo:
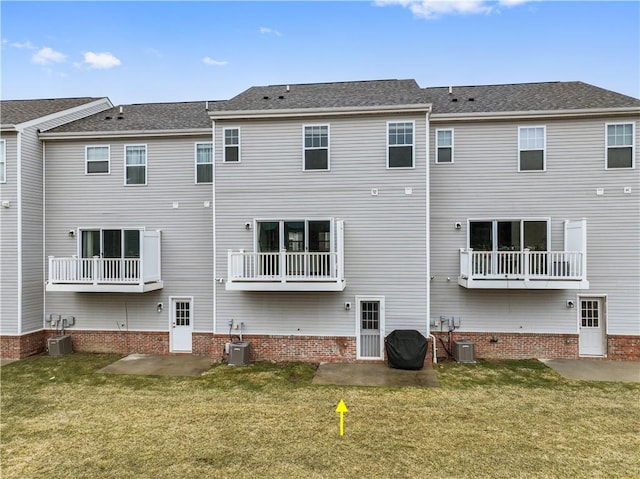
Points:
(341, 408)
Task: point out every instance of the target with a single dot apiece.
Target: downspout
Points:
(213, 207)
(44, 244)
(428, 238)
(19, 224)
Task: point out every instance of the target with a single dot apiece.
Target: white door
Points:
(592, 328)
(181, 325)
(370, 327)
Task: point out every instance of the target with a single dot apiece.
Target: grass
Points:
(60, 418)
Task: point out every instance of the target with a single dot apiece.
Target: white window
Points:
(3, 161)
(135, 164)
(231, 138)
(620, 147)
(444, 146)
(97, 159)
(316, 147)
(400, 150)
(204, 163)
(531, 148)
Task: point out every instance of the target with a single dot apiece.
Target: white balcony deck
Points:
(523, 269)
(103, 275)
(285, 271)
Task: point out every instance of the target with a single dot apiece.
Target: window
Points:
(316, 147)
(204, 163)
(400, 145)
(3, 161)
(97, 159)
(444, 146)
(508, 235)
(620, 145)
(231, 138)
(135, 164)
(531, 146)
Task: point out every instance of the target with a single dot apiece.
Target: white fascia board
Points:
(312, 112)
(80, 135)
(107, 104)
(517, 115)
(8, 128)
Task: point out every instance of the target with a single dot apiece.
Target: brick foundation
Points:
(539, 345)
(313, 349)
(18, 347)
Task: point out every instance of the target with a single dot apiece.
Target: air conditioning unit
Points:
(59, 345)
(239, 353)
(463, 351)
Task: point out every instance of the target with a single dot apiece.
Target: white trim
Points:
(438, 146)
(195, 162)
(633, 145)
(86, 159)
(84, 135)
(544, 147)
(3, 164)
(146, 162)
(534, 114)
(224, 144)
(413, 144)
(328, 147)
(214, 247)
(19, 224)
(358, 300)
(188, 299)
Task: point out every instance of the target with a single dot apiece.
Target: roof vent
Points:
(206, 105)
(108, 118)
(265, 97)
(281, 97)
(471, 99)
(288, 88)
(120, 118)
(120, 111)
(454, 99)
(450, 90)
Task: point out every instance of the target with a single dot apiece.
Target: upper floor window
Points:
(531, 148)
(3, 161)
(444, 146)
(620, 145)
(97, 159)
(316, 147)
(400, 151)
(135, 164)
(204, 163)
(231, 138)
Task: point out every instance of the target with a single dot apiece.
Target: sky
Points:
(144, 51)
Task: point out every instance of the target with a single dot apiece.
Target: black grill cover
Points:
(406, 349)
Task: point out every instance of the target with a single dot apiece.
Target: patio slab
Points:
(596, 369)
(147, 364)
(357, 374)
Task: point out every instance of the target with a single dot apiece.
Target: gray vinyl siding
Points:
(384, 235)
(9, 242)
(483, 182)
(76, 200)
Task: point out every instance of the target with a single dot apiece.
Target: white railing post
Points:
(283, 265)
(95, 265)
(470, 263)
(527, 263)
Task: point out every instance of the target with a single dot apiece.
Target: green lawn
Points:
(62, 419)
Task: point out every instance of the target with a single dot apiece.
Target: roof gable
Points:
(14, 112)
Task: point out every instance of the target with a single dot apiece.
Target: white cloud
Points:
(435, 8)
(101, 61)
(269, 31)
(211, 61)
(26, 44)
(47, 55)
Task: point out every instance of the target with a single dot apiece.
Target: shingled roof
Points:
(522, 97)
(14, 112)
(325, 95)
(142, 117)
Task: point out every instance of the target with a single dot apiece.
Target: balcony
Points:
(109, 275)
(523, 269)
(285, 271)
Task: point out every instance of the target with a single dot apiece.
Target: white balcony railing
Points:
(523, 266)
(94, 270)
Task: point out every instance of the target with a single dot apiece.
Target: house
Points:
(312, 220)
(21, 219)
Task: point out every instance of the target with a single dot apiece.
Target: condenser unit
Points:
(463, 351)
(239, 353)
(59, 345)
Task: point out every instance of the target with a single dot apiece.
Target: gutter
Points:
(19, 224)
(514, 115)
(80, 135)
(312, 112)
